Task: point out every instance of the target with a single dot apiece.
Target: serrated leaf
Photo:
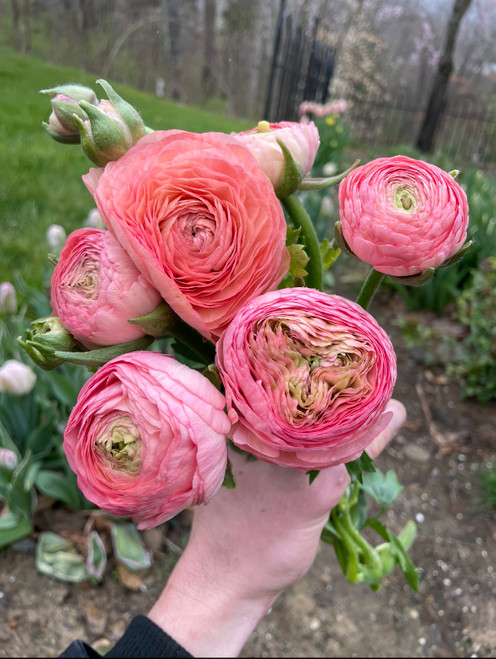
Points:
(292, 235)
(355, 468)
(299, 259)
(384, 488)
(329, 253)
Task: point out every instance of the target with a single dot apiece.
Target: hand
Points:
(246, 546)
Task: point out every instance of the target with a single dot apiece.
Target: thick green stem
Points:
(300, 220)
(370, 286)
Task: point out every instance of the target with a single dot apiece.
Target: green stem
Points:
(349, 560)
(301, 220)
(372, 559)
(370, 285)
(189, 337)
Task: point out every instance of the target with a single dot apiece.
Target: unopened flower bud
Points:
(56, 237)
(110, 129)
(8, 459)
(62, 125)
(8, 298)
(94, 220)
(16, 378)
(45, 337)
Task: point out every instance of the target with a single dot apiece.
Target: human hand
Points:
(247, 545)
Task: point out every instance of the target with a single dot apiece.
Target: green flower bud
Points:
(45, 337)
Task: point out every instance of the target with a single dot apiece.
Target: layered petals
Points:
(146, 438)
(307, 378)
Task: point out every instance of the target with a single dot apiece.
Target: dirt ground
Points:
(437, 457)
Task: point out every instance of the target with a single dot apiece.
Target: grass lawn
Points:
(40, 180)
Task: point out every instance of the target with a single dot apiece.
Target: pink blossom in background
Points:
(302, 140)
(96, 289)
(307, 378)
(146, 438)
(16, 378)
(402, 215)
(200, 220)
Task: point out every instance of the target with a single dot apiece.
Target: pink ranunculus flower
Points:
(146, 438)
(307, 378)
(402, 215)
(302, 140)
(96, 289)
(199, 219)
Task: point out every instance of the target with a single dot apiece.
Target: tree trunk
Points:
(208, 70)
(437, 101)
(174, 47)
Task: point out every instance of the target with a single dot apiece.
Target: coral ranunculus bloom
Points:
(402, 215)
(307, 378)
(200, 220)
(146, 438)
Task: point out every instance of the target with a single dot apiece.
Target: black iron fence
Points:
(301, 69)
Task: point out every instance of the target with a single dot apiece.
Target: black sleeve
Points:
(143, 638)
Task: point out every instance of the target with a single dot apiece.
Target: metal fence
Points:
(467, 133)
(301, 69)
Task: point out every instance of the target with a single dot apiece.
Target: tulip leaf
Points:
(13, 528)
(59, 486)
(97, 557)
(58, 558)
(129, 548)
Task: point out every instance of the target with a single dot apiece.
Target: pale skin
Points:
(246, 546)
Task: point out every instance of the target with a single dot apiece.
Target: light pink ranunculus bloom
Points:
(302, 140)
(146, 438)
(16, 378)
(402, 215)
(199, 219)
(96, 289)
(307, 378)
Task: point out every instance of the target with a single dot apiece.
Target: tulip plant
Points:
(208, 246)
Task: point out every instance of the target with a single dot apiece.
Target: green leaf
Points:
(384, 488)
(229, 481)
(59, 486)
(13, 529)
(292, 235)
(404, 561)
(57, 557)
(329, 253)
(312, 475)
(356, 468)
(299, 259)
(129, 548)
(97, 557)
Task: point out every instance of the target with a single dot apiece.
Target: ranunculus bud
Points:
(56, 237)
(45, 336)
(8, 298)
(301, 142)
(62, 125)
(110, 129)
(8, 459)
(16, 378)
(96, 289)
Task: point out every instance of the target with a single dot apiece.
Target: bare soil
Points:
(437, 456)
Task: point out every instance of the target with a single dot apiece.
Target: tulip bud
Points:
(110, 129)
(56, 237)
(16, 378)
(46, 336)
(8, 298)
(62, 125)
(8, 459)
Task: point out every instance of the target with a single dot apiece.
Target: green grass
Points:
(40, 180)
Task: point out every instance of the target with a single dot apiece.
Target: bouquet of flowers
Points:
(202, 312)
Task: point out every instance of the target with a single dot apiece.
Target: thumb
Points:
(397, 420)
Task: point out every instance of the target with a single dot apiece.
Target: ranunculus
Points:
(307, 378)
(199, 219)
(96, 289)
(302, 140)
(146, 438)
(16, 378)
(402, 215)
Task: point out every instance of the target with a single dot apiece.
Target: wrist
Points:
(205, 609)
